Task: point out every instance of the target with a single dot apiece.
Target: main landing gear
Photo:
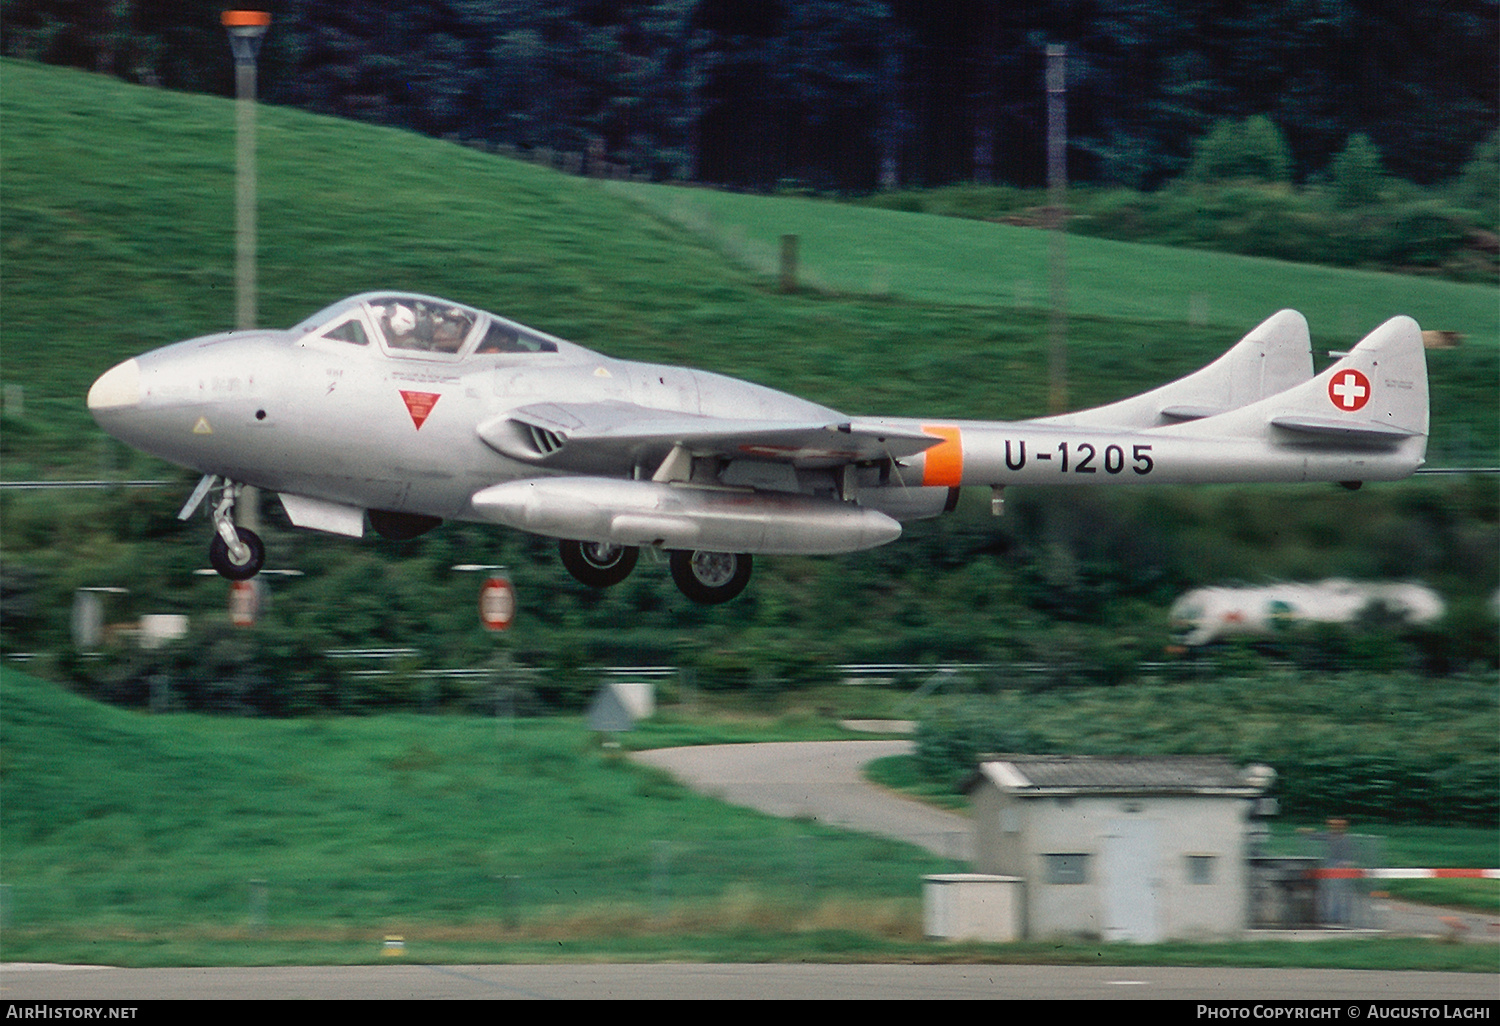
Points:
(236, 552)
(598, 564)
(707, 578)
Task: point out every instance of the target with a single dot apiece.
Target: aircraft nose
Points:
(117, 387)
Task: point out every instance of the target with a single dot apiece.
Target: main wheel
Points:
(598, 564)
(224, 562)
(709, 578)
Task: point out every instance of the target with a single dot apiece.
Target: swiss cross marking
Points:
(1349, 390)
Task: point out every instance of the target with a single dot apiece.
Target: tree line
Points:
(846, 95)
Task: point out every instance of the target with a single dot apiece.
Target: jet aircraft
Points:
(407, 410)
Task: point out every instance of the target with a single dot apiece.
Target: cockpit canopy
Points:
(411, 325)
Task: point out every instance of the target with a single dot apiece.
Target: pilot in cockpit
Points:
(449, 330)
(400, 326)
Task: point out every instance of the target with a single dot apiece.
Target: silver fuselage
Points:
(345, 415)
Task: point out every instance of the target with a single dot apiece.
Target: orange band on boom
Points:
(944, 463)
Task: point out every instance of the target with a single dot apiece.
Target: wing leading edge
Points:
(608, 437)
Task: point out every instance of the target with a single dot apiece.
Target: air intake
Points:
(520, 440)
(543, 441)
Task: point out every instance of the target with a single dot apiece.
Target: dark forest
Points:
(845, 96)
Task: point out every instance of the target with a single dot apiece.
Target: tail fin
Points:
(1274, 356)
(1375, 397)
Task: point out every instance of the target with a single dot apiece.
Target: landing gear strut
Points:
(236, 552)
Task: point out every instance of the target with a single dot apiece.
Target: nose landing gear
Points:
(241, 565)
(236, 552)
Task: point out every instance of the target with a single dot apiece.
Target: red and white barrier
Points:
(1352, 873)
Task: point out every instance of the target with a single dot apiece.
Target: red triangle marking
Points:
(419, 405)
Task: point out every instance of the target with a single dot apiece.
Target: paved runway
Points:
(781, 982)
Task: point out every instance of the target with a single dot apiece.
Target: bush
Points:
(1236, 197)
(1379, 746)
(1478, 184)
(1356, 175)
(950, 743)
(219, 668)
(1421, 234)
(1251, 150)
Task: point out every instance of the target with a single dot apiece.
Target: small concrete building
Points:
(1119, 849)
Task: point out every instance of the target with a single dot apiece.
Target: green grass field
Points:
(121, 827)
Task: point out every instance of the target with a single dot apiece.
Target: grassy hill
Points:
(870, 251)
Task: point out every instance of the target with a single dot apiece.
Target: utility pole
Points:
(1057, 200)
(246, 31)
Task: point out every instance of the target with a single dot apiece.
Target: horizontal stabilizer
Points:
(1328, 427)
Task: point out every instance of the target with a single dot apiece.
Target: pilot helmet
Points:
(402, 320)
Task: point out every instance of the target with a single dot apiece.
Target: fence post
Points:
(258, 905)
(661, 877)
(789, 263)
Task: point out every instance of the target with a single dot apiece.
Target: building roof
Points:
(1044, 775)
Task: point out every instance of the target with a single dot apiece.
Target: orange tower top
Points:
(246, 19)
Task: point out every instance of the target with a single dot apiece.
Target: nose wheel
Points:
(239, 566)
(236, 552)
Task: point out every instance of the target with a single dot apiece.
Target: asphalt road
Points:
(817, 780)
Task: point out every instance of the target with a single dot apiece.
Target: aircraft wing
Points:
(609, 436)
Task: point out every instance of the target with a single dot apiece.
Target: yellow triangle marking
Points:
(202, 428)
(600, 372)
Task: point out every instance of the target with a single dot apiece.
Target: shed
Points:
(1130, 849)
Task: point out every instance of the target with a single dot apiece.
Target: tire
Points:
(709, 578)
(223, 562)
(598, 564)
